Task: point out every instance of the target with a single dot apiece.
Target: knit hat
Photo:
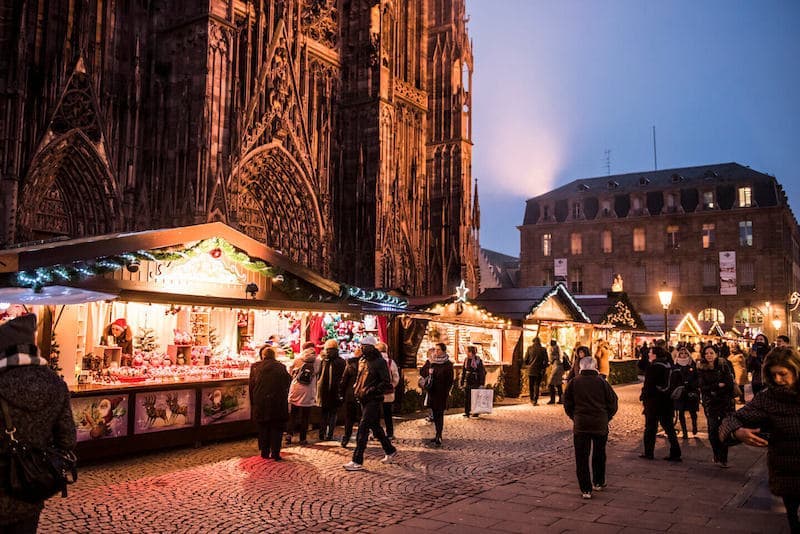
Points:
(18, 331)
(122, 323)
(331, 344)
(368, 340)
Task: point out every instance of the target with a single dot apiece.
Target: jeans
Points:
(714, 419)
(792, 504)
(387, 418)
(327, 423)
(438, 422)
(534, 384)
(682, 419)
(269, 438)
(370, 420)
(350, 418)
(300, 413)
(593, 445)
(467, 399)
(651, 422)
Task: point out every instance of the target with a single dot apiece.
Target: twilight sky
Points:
(559, 82)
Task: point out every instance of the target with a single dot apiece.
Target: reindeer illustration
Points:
(153, 413)
(175, 408)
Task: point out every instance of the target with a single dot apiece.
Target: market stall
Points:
(615, 320)
(157, 336)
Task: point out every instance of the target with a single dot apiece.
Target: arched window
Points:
(711, 315)
(748, 316)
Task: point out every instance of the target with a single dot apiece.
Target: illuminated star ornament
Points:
(461, 292)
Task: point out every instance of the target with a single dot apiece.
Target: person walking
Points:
(303, 391)
(739, 365)
(347, 395)
(328, 399)
(590, 402)
(716, 391)
(269, 401)
(555, 372)
(388, 398)
(689, 398)
(658, 407)
(536, 360)
(38, 403)
(473, 376)
(371, 383)
(440, 369)
(772, 419)
(755, 361)
(603, 357)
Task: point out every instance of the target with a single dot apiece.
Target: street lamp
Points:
(666, 299)
(776, 324)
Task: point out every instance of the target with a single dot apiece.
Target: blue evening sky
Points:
(559, 82)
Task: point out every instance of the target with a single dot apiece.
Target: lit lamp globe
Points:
(776, 324)
(666, 298)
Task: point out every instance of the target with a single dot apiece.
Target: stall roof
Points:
(517, 303)
(687, 324)
(614, 308)
(42, 256)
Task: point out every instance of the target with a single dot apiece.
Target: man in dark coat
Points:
(371, 383)
(536, 360)
(348, 397)
(328, 399)
(39, 408)
(591, 403)
(658, 408)
(269, 402)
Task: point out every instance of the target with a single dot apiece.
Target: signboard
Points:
(727, 272)
(223, 404)
(164, 410)
(560, 267)
(100, 416)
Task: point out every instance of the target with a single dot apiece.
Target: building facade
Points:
(721, 237)
(334, 131)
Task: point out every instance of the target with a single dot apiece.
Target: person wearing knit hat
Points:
(38, 403)
(123, 335)
(328, 399)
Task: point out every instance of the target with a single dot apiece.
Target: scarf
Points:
(439, 359)
(19, 355)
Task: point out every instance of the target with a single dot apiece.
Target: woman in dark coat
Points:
(772, 419)
(39, 406)
(689, 400)
(328, 399)
(440, 368)
(346, 384)
(658, 406)
(269, 404)
(472, 377)
(758, 352)
(716, 392)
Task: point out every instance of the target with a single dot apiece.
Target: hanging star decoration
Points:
(461, 292)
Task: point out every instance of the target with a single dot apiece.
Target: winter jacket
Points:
(590, 402)
(40, 409)
(755, 361)
(394, 376)
(331, 370)
(536, 360)
(655, 396)
(373, 376)
(349, 380)
(269, 390)
(304, 394)
(716, 398)
(690, 380)
(555, 373)
(737, 361)
(474, 374)
(441, 383)
(777, 412)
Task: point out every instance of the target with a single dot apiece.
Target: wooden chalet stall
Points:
(198, 302)
(615, 320)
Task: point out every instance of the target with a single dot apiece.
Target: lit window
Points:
(672, 236)
(607, 242)
(745, 233)
(745, 197)
(708, 235)
(711, 315)
(748, 316)
(547, 244)
(576, 243)
(639, 243)
(708, 200)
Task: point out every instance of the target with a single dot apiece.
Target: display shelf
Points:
(200, 327)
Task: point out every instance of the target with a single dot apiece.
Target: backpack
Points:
(306, 373)
(674, 379)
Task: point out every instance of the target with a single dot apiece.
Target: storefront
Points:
(154, 332)
(615, 322)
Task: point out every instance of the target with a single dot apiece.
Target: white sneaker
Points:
(598, 487)
(389, 458)
(586, 495)
(352, 466)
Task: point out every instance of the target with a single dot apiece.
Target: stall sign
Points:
(100, 417)
(164, 410)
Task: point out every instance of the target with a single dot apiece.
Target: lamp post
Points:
(776, 324)
(666, 299)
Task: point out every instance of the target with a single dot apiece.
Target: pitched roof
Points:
(517, 302)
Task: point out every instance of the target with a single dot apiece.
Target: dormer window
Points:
(576, 211)
(546, 215)
(745, 197)
(708, 200)
(637, 203)
(583, 187)
(644, 181)
(612, 184)
(676, 178)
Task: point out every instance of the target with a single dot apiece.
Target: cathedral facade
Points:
(336, 131)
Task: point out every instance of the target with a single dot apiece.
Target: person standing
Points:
(689, 400)
(644, 358)
(536, 360)
(603, 357)
(269, 401)
(590, 402)
(39, 407)
(371, 383)
(555, 372)
(347, 395)
(755, 361)
(739, 366)
(473, 376)
(783, 341)
(330, 375)
(303, 391)
(440, 369)
(388, 398)
(658, 405)
(716, 390)
(772, 419)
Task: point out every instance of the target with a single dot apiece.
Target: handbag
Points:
(425, 382)
(34, 474)
(677, 393)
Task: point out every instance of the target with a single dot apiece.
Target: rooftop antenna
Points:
(655, 152)
(608, 161)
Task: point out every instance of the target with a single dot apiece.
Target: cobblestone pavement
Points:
(507, 472)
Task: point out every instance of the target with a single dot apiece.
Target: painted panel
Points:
(164, 410)
(223, 404)
(100, 416)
